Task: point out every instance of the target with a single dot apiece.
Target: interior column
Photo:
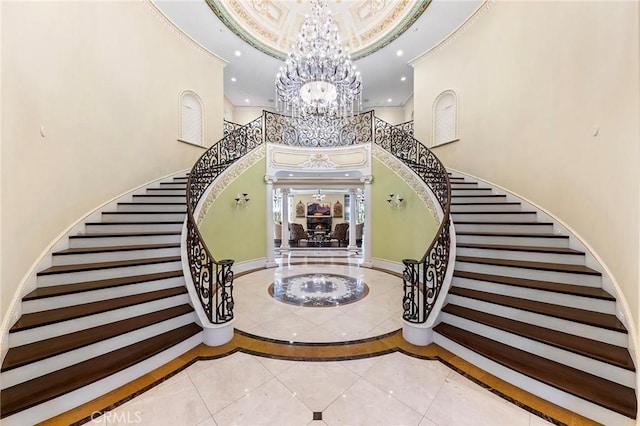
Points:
(285, 219)
(366, 240)
(353, 219)
(271, 260)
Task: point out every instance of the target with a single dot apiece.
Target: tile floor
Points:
(391, 389)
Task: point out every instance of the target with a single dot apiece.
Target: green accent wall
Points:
(239, 232)
(398, 233)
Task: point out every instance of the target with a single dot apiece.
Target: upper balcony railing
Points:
(213, 279)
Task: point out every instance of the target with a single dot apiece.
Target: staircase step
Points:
(155, 216)
(594, 319)
(574, 290)
(610, 354)
(114, 253)
(62, 290)
(513, 238)
(556, 272)
(45, 388)
(165, 191)
(495, 216)
(26, 354)
(485, 206)
(123, 238)
(508, 227)
(158, 198)
(152, 206)
(122, 227)
(563, 255)
(53, 316)
(599, 391)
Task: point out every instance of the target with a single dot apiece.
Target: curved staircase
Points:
(524, 306)
(114, 298)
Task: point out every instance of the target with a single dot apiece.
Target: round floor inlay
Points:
(318, 290)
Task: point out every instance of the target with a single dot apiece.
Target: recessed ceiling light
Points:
(238, 53)
(247, 100)
(233, 79)
(365, 100)
(399, 52)
(346, 174)
(389, 100)
(403, 78)
(270, 101)
(290, 174)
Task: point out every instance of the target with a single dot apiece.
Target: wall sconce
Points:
(242, 199)
(395, 200)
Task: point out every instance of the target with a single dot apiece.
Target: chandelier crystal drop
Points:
(318, 77)
(318, 197)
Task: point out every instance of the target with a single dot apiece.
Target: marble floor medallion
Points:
(318, 290)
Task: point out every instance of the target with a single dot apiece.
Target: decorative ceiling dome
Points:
(272, 26)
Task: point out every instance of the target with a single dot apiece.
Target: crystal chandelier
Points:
(318, 77)
(318, 197)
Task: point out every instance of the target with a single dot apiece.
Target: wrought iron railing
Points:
(213, 279)
(318, 131)
(229, 127)
(422, 278)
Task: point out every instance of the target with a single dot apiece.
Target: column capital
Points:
(366, 179)
(270, 179)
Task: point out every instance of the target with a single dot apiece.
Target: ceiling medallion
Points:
(318, 77)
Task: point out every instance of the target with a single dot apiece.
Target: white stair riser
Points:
(534, 274)
(494, 217)
(65, 327)
(482, 191)
(531, 256)
(143, 217)
(568, 358)
(78, 397)
(559, 324)
(140, 207)
(513, 241)
(462, 185)
(101, 228)
(167, 191)
(157, 199)
(49, 365)
(545, 392)
(38, 305)
(469, 199)
(110, 256)
(123, 241)
(460, 208)
(491, 227)
(568, 300)
(103, 274)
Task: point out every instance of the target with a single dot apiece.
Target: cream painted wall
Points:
(103, 81)
(239, 232)
(398, 233)
(244, 115)
(408, 110)
(548, 98)
(392, 115)
(228, 110)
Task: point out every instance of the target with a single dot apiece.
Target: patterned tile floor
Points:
(292, 365)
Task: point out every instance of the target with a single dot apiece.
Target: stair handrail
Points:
(422, 279)
(216, 297)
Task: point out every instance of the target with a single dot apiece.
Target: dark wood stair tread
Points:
(602, 392)
(106, 249)
(518, 212)
(64, 289)
(125, 234)
(130, 213)
(607, 353)
(575, 290)
(511, 234)
(474, 222)
(157, 195)
(479, 196)
(52, 316)
(485, 203)
(45, 388)
(146, 222)
(534, 249)
(61, 269)
(543, 266)
(595, 319)
(156, 203)
(37, 351)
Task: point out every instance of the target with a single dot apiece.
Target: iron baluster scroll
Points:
(213, 279)
(422, 278)
(318, 131)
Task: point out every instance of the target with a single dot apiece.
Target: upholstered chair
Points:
(277, 231)
(359, 230)
(297, 233)
(341, 233)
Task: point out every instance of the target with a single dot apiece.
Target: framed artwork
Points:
(319, 209)
(337, 209)
(300, 209)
